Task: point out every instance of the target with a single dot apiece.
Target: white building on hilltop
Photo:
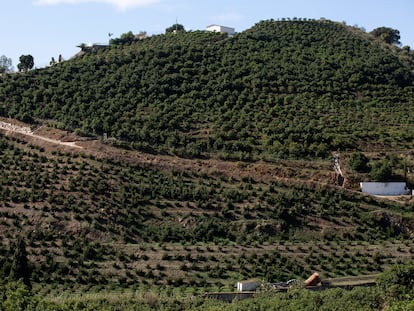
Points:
(223, 29)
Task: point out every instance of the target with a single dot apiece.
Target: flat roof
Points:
(248, 281)
(219, 26)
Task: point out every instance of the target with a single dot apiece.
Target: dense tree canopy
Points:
(126, 38)
(278, 90)
(175, 28)
(398, 281)
(386, 34)
(296, 89)
(382, 171)
(26, 62)
(5, 64)
(359, 162)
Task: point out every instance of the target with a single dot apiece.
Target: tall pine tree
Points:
(20, 265)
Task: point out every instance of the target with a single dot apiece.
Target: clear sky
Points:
(46, 28)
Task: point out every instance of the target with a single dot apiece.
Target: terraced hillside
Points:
(278, 90)
(216, 164)
(93, 221)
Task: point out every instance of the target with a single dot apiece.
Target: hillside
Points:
(96, 221)
(217, 166)
(277, 90)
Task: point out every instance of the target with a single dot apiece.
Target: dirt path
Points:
(289, 172)
(9, 127)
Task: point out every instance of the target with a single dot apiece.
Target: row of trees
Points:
(381, 167)
(278, 90)
(386, 34)
(378, 170)
(129, 37)
(26, 63)
(393, 292)
(120, 203)
(100, 194)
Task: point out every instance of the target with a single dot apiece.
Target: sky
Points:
(47, 28)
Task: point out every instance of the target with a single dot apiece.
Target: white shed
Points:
(392, 188)
(248, 285)
(223, 29)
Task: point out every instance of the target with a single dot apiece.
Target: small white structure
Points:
(385, 188)
(248, 285)
(223, 29)
(93, 47)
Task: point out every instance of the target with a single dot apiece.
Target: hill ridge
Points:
(276, 90)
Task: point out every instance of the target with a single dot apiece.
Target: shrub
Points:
(382, 171)
(398, 281)
(359, 162)
(17, 296)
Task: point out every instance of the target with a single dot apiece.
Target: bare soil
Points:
(296, 172)
(51, 139)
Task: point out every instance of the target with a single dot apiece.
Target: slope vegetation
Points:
(98, 222)
(286, 92)
(280, 89)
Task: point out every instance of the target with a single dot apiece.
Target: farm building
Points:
(223, 29)
(384, 188)
(93, 47)
(248, 285)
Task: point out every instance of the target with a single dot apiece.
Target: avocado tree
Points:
(382, 171)
(175, 28)
(5, 64)
(359, 162)
(398, 280)
(26, 62)
(388, 35)
(126, 38)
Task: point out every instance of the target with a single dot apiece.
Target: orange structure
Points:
(313, 280)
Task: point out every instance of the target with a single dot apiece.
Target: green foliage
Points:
(398, 281)
(395, 291)
(297, 89)
(386, 34)
(85, 211)
(359, 162)
(126, 38)
(382, 171)
(404, 305)
(175, 28)
(5, 64)
(333, 299)
(17, 296)
(26, 62)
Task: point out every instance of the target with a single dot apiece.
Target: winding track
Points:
(27, 131)
(299, 173)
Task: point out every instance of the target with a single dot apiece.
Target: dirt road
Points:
(9, 127)
(292, 172)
